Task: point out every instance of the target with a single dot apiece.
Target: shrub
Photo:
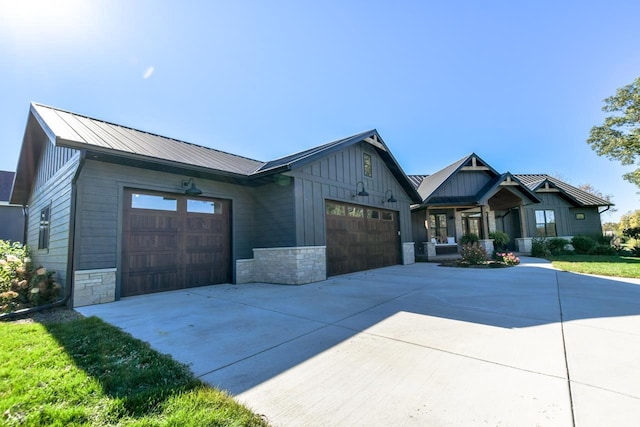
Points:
(500, 240)
(603, 250)
(474, 254)
(21, 287)
(507, 258)
(469, 239)
(556, 245)
(635, 251)
(539, 248)
(582, 244)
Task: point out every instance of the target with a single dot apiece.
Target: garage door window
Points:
(387, 216)
(333, 209)
(371, 214)
(204, 206)
(158, 203)
(355, 212)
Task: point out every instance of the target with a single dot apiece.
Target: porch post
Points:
(523, 222)
(427, 224)
(485, 222)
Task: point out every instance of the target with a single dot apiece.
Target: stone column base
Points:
(408, 253)
(523, 245)
(429, 249)
(487, 244)
(94, 286)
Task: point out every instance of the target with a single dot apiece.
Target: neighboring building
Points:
(11, 216)
(116, 211)
(469, 196)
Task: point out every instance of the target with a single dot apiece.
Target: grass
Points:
(602, 265)
(86, 372)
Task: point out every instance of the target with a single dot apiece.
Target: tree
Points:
(618, 138)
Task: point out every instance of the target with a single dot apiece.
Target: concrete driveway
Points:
(409, 345)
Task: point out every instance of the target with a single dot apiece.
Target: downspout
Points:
(25, 214)
(608, 207)
(72, 229)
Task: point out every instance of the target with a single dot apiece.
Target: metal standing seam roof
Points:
(81, 132)
(583, 198)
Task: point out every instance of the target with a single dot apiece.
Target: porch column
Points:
(427, 224)
(485, 222)
(458, 220)
(523, 222)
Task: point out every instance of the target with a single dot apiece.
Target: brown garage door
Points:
(172, 242)
(360, 238)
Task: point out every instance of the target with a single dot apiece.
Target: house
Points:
(470, 196)
(11, 216)
(116, 211)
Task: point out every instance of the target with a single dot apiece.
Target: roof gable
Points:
(371, 137)
(545, 183)
(508, 181)
(430, 185)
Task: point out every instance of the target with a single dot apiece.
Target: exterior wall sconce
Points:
(362, 192)
(193, 190)
(389, 199)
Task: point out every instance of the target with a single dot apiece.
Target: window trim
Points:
(44, 228)
(547, 223)
(367, 166)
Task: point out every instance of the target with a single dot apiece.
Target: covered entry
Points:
(360, 238)
(172, 241)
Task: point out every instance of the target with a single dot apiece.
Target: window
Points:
(546, 223)
(333, 209)
(438, 224)
(355, 212)
(371, 214)
(387, 216)
(43, 236)
(580, 216)
(159, 203)
(204, 206)
(368, 166)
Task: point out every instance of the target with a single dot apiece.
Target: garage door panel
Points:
(173, 249)
(360, 238)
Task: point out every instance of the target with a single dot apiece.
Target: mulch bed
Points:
(462, 264)
(54, 315)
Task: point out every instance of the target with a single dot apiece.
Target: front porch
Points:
(444, 226)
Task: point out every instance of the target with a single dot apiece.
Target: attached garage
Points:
(360, 238)
(173, 241)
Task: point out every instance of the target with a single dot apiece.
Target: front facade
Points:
(119, 212)
(470, 197)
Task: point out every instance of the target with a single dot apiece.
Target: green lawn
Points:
(86, 372)
(599, 264)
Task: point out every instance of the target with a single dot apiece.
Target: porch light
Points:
(391, 199)
(193, 190)
(362, 192)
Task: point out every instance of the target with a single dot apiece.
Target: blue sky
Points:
(519, 84)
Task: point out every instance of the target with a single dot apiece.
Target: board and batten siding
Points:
(550, 201)
(334, 177)
(274, 220)
(52, 187)
(590, 225)
(463, 183)
(100, 207)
